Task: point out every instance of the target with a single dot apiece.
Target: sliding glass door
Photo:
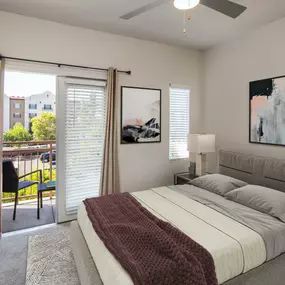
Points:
(81, 117)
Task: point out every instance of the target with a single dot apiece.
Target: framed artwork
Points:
(267, 111)
(140, 115)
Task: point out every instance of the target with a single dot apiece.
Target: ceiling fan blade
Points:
(225, 7)
(143, 9)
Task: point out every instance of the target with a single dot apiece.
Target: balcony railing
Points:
(30, 156)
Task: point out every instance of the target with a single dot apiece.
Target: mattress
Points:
(271, 272)
(234, 247)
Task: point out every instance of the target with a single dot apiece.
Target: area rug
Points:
(50, 260)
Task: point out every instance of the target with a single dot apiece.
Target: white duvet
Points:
(235, 248)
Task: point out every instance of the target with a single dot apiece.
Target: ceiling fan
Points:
(225, 7)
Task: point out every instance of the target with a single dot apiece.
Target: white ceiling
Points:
(162, 24)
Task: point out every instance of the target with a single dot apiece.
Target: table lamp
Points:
(201, 144)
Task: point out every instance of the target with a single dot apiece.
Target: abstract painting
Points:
(140, 115)
(267, 111)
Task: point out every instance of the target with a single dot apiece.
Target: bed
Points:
(240, 253)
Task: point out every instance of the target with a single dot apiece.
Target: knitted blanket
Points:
(152, 251)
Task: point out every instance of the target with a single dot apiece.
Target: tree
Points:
(17, 133)
(44, 127)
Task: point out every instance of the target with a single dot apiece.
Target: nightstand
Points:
(183, 178)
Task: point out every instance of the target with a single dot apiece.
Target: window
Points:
(47, 107)
(17, 115)
(32, 115)
(179, 123)
(17, 105)
(33, 106)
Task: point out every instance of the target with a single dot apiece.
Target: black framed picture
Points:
(140, 115)
(267, 111)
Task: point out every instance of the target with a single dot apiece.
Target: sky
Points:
(24, 84)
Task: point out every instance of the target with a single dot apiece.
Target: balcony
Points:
(27, 215)
(27, 157)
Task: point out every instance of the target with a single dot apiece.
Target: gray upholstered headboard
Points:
(268, 172)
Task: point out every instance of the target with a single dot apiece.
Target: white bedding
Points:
(235, 248)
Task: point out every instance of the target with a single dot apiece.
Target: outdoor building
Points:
(38, 103)
(17, 111)
(6, 109)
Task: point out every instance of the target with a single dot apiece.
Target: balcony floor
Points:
(26, 216)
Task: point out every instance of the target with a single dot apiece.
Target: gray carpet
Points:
(26, 216)
(13, 254)
(50, 260)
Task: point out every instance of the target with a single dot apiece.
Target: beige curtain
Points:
(2, 65)
(110, 182)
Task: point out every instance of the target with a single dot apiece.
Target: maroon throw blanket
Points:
(152, 251)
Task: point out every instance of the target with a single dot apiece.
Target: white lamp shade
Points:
(198, 143)
(185, 4)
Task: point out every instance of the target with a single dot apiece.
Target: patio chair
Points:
(12, 183)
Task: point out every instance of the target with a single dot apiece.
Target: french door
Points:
(81, 119)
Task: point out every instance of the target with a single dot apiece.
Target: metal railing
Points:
(30, 156)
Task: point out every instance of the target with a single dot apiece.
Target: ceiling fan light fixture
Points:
(185, 4)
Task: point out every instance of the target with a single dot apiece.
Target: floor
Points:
(26, 215)
(13, 253)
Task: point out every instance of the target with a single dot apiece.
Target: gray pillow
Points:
(262, 199)
(217, 183)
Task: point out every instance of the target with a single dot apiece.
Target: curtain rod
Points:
(128, 72)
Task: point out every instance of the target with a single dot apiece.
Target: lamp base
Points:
(192, 168)
(200, 164)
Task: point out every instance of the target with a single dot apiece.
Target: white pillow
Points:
(262, 199)
(217, 183)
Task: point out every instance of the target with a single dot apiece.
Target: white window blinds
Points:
(179, 123)
(85, 116)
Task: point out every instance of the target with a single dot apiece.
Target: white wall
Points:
(6, 109)
(152, 65)
(228, 70)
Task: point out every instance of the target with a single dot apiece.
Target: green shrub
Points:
(16, 134)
